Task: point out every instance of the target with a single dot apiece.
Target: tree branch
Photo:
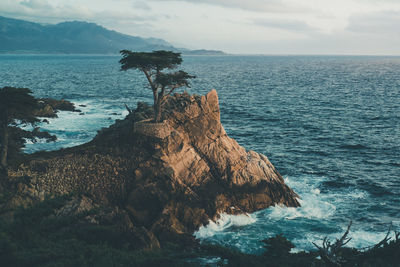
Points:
(149, 79)
(128, 109)
(385, 239)
(330, 252)
(174, 87)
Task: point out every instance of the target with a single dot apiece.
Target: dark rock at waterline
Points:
(59, 104)
(46, 110)
(48, 107)
(161, 180)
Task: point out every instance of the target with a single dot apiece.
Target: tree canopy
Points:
(17, 108)
(154, 65)
(17, 104)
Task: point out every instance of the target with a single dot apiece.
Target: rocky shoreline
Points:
(155, 182)
(48, 107)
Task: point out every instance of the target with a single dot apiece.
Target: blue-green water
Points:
(331, 126)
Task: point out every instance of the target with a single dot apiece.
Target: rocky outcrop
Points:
(164, 179)
(48, 107)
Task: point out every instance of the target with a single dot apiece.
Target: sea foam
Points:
(76, 128)
(224, 222)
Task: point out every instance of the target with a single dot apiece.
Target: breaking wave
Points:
(224, 222)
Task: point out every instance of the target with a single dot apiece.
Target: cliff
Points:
(155, 181)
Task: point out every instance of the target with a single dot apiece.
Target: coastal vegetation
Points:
(18, 108)
(153, 65)
(20, 114)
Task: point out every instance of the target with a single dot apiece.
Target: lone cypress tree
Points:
(153, 65)
(17, 108)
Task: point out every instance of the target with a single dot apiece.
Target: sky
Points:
(345, 27)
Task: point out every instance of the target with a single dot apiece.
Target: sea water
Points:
(329, 124)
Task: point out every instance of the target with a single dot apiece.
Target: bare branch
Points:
(330, 252)
(128, 109)
(343, 240)
(385, 239)
(176, 86)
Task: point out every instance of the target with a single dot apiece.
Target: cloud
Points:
(36, 4)
(268, 6)
(241, 26)
(384, 22)
(51, 12)
(288, 25)
(42, 10)
(141, 5)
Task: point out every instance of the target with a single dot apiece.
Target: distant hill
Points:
(19, 36)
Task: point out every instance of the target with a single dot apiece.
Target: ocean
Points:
(329, 124)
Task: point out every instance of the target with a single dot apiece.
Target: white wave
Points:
(319, 209)
(357, 194)
(125, 113)
(311, 208)
(225, 221)
(362, 238)
(314, 204)
(74, 128)
(28, 141)
(316, 191)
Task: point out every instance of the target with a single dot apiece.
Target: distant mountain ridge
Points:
(20, 36)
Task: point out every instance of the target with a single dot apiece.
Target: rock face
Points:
(166, 179)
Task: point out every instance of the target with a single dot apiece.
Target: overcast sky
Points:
(236, 26)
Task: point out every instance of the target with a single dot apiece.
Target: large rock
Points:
(48, 107)
(169, 178)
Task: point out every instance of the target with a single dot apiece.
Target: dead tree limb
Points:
(128, 109)
(385, 239)
(330, 253)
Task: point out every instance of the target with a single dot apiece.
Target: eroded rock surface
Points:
(164, 179)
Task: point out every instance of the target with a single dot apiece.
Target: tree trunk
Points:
(155, 105)
(158, 112)
(4, 147)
